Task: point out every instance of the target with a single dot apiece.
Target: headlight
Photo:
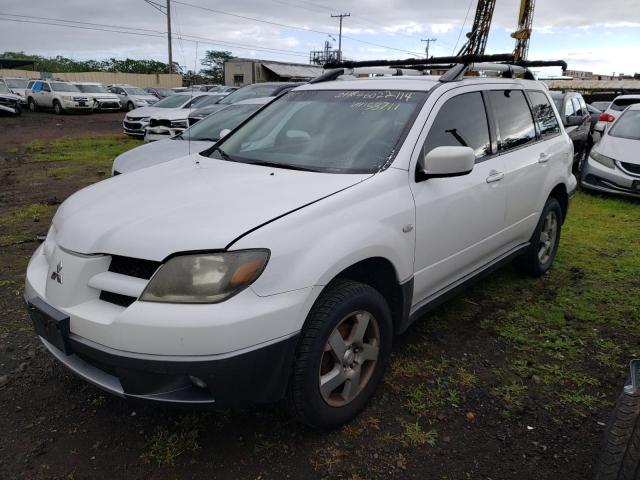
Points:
(603, 160)
(179, 123)
(141, 101)
(205, 277)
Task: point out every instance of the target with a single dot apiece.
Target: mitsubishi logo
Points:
(57, 275)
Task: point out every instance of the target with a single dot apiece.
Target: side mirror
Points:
(223, 133)
(448, 162)
(573, 121)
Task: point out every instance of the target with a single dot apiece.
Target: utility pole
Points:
(169, 36)
(166, 10)
(426, 49)
(340, 16)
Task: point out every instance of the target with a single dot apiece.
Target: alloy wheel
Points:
(548, 237)
(349, 358)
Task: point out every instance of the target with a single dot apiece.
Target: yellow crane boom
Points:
(523, 31)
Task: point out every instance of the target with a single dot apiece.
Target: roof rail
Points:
(456, 66)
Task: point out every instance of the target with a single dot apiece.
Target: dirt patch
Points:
(513, 379)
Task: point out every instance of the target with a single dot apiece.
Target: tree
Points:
(214, 60)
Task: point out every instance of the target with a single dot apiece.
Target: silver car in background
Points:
(133, 97)
(17, 86)
(613, 165)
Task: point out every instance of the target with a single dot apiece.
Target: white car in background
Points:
(172, 121)
(132, 97)
(613, 166)
(102, 99)
(195, 139)
(136, 121)
(613, 111)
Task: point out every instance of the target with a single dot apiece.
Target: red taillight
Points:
(606, 117)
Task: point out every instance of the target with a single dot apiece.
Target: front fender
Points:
(313, 245)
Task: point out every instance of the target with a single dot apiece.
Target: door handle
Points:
(495, 176)
(543, 158)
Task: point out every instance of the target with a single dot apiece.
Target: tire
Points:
(57, 108)
(619, 457)
(32, 105)
(533, 262)
(18, 111)
(130, 106)
(352, 307)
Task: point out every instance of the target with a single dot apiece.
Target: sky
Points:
(602, 36)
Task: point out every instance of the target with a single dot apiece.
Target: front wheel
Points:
(342, 354)
(130, 106)
(540, 254)
(32, 105)
(57, 108)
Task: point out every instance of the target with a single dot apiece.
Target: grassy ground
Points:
(514, 377)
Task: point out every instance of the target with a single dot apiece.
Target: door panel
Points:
(459, 220)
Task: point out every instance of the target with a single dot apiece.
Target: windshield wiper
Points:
(288, 166)
(223, 154)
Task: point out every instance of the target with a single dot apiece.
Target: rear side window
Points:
(515, 124)
(569, 109)
(577, 107)
(461, 122)
(543, 114)
(619, 104)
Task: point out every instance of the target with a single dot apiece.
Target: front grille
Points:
(116, 298)
(11, 102)
(155, 122)
(631, 167)
(133, 267)
(132, 126)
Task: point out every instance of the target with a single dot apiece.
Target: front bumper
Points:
(135, 127)
(258, 375)
(609, 180)
(153, 134)
(106, 105)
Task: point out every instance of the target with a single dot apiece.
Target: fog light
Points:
(198, 382)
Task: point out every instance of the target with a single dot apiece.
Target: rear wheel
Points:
(342, 355)
(32, 105)
(539, 257)
(57, 107)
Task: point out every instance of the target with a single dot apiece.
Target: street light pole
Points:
(169, 36)
(340, 16)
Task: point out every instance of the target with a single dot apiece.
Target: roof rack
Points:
(456, 66)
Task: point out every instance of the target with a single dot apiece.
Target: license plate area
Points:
(50, 324)
(82, 104)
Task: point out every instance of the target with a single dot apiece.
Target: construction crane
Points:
(523, 32)
(477, 37)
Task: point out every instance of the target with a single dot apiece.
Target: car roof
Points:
(635, 106)
(86, 83)
(626, 96)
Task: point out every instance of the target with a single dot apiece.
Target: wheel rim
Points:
(56, 107)
(349, 358)
(548, 237)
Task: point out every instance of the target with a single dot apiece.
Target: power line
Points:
(205, 40)
(462, 27)
(291, 27)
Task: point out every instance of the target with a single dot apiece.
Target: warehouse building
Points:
(244, 71)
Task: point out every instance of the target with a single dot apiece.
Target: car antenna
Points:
(195, 66)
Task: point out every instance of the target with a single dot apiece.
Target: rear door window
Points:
(461, 122)
(577, 107)
(543, 114)
(513, 116)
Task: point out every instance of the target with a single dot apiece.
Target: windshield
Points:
(92, 88)
(197, 102)
(557, 99)
(173, 101)
(16, 82)
(619, 104)
(353, 131)
(602, 106)
(250, 91)
(3, 88)
(63, 87)
(165, 92)
(207, 100)
(627, 126)
(135, 91)
(209, 128)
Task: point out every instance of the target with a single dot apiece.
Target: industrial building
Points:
(244, 71)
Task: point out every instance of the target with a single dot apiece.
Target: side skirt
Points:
(456, 287)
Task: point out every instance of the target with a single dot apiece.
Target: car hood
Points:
(10, 96)
(143, 112)
(184, 205)
(148, 98)
(620, 149)
(171, 113)
(104, 96)
(155, 153)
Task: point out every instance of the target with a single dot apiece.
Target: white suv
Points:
(282, 261)
(57, 94)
